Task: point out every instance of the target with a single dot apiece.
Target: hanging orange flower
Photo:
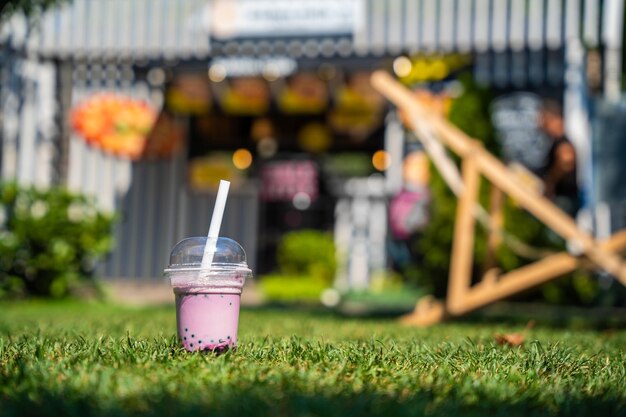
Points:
(116, 124)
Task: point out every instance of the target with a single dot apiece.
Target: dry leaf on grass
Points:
(514, 339)
(510, 339)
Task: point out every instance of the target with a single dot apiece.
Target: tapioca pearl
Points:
(193, 335)
(186, 329)
(185, 338)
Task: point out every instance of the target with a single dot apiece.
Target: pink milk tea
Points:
(207, 300)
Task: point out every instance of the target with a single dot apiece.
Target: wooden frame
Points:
(462, 297)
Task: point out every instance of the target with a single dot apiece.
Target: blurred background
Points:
(118, 118)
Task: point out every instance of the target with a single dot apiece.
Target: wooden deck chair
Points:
(437, 134)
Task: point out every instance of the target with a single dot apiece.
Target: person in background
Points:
(560, 178)
(409, 212)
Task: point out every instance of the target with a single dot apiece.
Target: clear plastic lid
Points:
(188, 253)
(228, 270)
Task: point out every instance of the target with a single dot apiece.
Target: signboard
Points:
(246, 96)
(304, 93)
(282, 180)
(236, 19)
(516, 120)
(205, 173)
(358, 109)
(274, 67)
(189, 94)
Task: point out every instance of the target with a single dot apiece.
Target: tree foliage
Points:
(30, 8)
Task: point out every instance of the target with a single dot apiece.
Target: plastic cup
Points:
(207, 300)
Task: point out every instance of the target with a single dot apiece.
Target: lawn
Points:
(79, 359)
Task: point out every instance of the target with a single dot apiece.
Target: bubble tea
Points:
(207, 299)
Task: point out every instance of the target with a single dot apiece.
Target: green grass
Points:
(73, 359)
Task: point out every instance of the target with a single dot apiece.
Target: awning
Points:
(116, 29)
(182, 29)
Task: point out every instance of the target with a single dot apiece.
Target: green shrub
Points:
(50, 240)
(307, 253)
(306, 267)
(280, 287)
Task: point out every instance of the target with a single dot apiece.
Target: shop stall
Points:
(272, 95)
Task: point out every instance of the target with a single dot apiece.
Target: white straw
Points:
(216, 222)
